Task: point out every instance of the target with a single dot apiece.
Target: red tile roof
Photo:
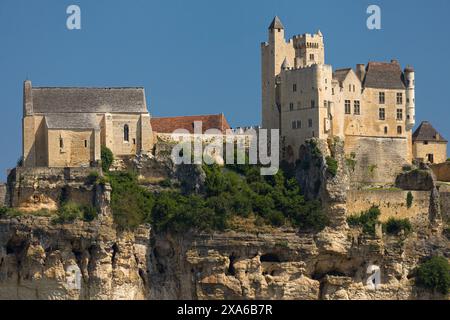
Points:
(170, 124)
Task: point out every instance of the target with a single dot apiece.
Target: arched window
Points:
(126, 133)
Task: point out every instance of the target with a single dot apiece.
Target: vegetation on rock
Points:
(367, 220)
(238, 191)
(233, 191)
(71, 211)
(409, 199)
(107, 158)
(394, 226)
(131, 203)
(332, 166)
(434, 274)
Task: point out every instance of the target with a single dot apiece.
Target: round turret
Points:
(410, 97)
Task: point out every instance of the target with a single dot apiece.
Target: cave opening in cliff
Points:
(231, 270)
(270, 257)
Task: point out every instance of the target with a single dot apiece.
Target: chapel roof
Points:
(71, 121)
(88, 100)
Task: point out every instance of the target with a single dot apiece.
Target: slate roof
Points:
(71, 121)
(276, 24)
(88, 100)
(170, 124)
(341, 74)
(384, 75)
(426, 132)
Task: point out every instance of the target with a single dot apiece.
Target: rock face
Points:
(40, 260)
(43, 260)
(318, 182)
(419, 179)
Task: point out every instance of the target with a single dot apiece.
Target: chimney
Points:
(27, 98)
(361, 71)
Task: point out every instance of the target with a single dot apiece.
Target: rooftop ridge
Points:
(102, 88)
(191, 116)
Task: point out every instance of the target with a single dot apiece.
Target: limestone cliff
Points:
(41, 260)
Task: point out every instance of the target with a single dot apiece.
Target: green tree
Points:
(434, 274)
(107, 158)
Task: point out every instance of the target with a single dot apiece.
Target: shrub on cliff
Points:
(409, 199)
(434, 274)
(71, 211)
(6, 212)
(107, 158)
(175, 212)
(273, 200)
(367, 220)
(394, 226)
(332, 166)
(131, 203)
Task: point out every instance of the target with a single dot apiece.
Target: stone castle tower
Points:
(371, 107)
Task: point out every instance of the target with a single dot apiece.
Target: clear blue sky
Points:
(203, 56)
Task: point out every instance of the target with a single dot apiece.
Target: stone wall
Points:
(445, 205)
(32, 189)
(4, 201)
(378, 160)
(77, 148)
(392, 203)
(421, 151)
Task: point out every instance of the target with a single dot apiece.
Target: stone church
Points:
(65, 127)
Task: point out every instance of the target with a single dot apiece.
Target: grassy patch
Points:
(71, 211)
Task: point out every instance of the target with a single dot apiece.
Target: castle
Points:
(371, 108)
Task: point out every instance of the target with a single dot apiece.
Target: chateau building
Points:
(371, 108)
(65, 127)
(429, 145)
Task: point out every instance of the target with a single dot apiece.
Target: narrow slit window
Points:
(61, 142)
(85, 143)
(126, 133)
